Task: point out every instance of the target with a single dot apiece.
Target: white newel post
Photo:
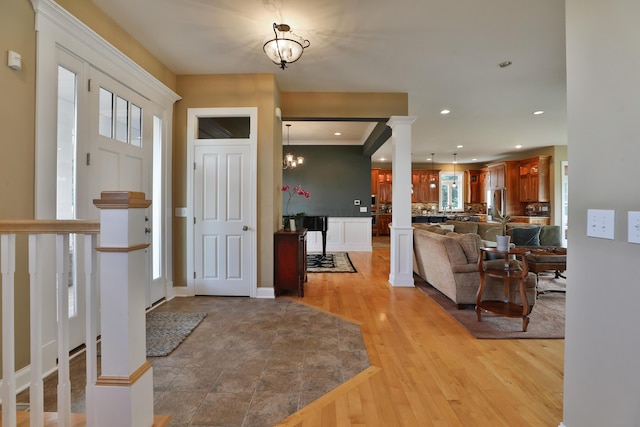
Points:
(401, 271)
(124, 390)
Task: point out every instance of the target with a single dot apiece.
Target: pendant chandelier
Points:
(432, 183)
(286, 47)
(291, 161)
(454, 185)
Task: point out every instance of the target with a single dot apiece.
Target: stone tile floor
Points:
(251, 362)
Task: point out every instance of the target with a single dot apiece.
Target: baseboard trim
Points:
(266, 293)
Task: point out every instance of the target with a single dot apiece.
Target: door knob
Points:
(245, 228)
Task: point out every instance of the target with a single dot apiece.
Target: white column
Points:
(401, 271)
(124, 390)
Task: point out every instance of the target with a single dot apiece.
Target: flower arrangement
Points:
(295, 191)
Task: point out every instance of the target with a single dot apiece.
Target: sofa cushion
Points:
(470, 243)
(550, 235)
(466, 227)
(526, 236)
(430, 228)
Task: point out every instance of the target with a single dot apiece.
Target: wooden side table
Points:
(290, 259)
(507, 306)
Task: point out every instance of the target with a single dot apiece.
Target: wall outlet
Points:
(181, 212)
(363, 208)
(600, 223)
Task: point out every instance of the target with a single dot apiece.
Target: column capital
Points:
(400, 120)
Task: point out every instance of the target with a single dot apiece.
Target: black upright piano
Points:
(317, 223)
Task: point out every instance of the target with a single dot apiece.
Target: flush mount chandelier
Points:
(291, 161)
(286, 47)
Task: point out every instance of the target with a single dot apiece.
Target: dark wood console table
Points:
(290, 261)
(506, 271)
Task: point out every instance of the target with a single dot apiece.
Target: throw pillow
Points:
(526, 236)
(449, 227)
(466, 227)
(550, 235)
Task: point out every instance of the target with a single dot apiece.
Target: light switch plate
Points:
(181, 212)
(356, 202)
(601, 223)
(634, 227)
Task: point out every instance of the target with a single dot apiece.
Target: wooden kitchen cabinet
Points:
(534, 179)
(374, 181)
(422, 191)
(385, 186)
(473, 187)
(496, 176)
(484, 185)
(383, 224)
(506, 176)
(290, 261)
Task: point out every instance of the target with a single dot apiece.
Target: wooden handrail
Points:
(49, 226)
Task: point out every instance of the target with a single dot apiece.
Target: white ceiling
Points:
(443, 53)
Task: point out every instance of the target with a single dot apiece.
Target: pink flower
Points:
(297, 190)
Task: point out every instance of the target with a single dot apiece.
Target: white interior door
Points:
(223, 200)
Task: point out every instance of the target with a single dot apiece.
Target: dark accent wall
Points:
(335, 176)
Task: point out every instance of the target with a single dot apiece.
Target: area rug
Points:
(332, 262)
(546, 318)
(166, 330)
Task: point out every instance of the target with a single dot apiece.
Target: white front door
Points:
(125, 136)
(223, 198)
(105, 142)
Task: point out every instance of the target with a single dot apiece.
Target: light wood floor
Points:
(426, 369)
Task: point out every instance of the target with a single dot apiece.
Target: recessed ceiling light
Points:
(504, 64)
(445, 112)
(538, 112)
(474, 160)
(459, 146)
(337, 133)
(382, 159)
(518, 146)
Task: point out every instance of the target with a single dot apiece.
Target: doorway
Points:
(222, 236)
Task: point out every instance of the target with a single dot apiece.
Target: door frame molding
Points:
(192, 127)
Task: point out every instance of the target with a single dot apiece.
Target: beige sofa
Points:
(449, 262)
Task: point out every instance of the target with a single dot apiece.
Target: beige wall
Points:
(602, 345)
(17, 136)
(231, 90)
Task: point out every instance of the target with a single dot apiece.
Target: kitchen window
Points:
(451, 191)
